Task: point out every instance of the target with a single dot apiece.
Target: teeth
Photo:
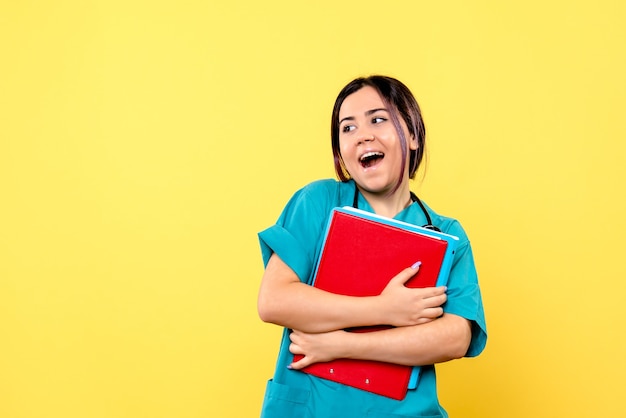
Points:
(371, 154)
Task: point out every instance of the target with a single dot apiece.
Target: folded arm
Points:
(443, 339)
(285, 300)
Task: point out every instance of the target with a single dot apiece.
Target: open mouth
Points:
(370, 159)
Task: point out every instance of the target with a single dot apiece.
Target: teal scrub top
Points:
(297, 238)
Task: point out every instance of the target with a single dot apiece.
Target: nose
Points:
(366, 137)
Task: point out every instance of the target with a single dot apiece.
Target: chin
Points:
(375, 188)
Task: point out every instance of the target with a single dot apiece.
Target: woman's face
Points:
(368, 142)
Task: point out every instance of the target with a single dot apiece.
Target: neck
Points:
(389, 205)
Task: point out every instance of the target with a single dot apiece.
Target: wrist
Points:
(346, 347)
(377, 311)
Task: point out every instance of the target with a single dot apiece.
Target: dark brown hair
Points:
(400, 101)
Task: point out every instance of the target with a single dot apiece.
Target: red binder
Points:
(361, 253)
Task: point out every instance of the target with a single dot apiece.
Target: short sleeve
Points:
(464, 297)
(297, 232)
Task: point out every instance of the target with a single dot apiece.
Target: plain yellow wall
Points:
(144, 144)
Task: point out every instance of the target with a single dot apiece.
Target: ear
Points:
(412, 142)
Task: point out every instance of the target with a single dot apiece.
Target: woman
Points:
(378, 140)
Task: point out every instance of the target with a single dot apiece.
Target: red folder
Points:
(361, 253)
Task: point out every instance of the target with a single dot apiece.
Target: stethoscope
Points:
(414, 198)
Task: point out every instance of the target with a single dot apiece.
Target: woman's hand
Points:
(403, 306)
(316, 348)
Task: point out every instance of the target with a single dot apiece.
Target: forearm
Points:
(309, 309)
(443, 339)
(285, 301)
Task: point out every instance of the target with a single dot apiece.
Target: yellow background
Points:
(144, 144)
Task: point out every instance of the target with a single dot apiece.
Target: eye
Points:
(347, 128)
(378, 119)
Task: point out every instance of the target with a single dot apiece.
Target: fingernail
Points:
(289, 367)
(416, 265)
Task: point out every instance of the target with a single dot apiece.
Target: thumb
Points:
(300, 364)
(406, 274)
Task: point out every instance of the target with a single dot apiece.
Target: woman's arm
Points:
(285, 300)
(443, 339)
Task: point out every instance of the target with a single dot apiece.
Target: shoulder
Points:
(316, 199)
(324, 193)
(321, 187)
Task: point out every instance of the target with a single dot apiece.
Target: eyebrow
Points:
(368, 113)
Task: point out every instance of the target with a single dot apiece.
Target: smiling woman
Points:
(399, 106)
(371, 149)
(378, 140)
